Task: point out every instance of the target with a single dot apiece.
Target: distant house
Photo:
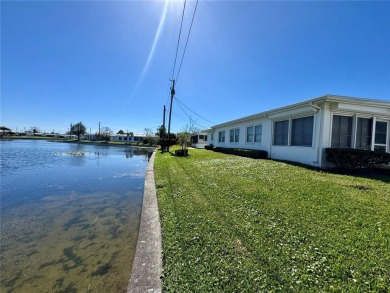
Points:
(301, 132)
(89, 136)
(199, 139)
(120, 137)
(131, 138)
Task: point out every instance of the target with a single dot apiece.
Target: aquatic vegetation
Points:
(102, 270)
(67, 210)
(76, 254)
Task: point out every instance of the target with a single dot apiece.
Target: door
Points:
(380, 139)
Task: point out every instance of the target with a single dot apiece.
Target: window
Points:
(253, 133)
(249, 134)
(212, 136)
(363, 133)
(234, 135)
(258, 133)
(341, 131)
(380, 132)
(302, 131)
(221, 136)
(281, 133)
(120, 138)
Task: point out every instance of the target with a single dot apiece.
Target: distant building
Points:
(129, 138)
(301, 132)
(199, 140)
(89, 136)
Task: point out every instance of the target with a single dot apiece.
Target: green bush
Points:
(347, 158)
(209, 147)
(248, 153)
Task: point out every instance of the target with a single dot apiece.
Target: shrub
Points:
(254, 154)
(209, 147)
(347, 158)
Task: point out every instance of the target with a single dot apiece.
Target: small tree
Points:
(184, 137)
(121, 132)
(4, 130)
(148, 136)
(78, 129)
(34, 130)
(161, 132)
(105, 133)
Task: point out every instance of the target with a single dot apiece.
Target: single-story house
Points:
(129, 138)
(301, 132)
(199, 139)
(89, 136)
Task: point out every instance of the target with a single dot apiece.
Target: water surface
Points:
(69, 215)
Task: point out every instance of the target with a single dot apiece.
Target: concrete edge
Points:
(147, 266)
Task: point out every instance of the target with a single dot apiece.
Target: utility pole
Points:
(170, 113)
(164, 121)
(162, 132)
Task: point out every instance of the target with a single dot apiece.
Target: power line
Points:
(188, 36)
(180, 102)
(178, 40)
(192, 120)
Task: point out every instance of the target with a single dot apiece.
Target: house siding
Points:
(322, 109)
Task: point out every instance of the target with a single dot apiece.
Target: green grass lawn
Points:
(233, 224)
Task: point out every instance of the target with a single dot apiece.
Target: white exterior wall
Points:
(263, 145)
(302, 154)
(120, 137)
(323, 110)
(308, 155)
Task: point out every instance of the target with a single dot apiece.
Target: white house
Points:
(131, 138)
(301, 132)
(199, 139)
(89, 136)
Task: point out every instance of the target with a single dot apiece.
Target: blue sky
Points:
(111, 61)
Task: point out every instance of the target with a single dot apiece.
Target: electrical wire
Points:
(188, 36)
(191, 120)
(178, 40)
(180, 102)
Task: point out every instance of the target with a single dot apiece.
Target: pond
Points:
(69, 215)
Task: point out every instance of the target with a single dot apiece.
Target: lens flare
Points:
(153, 48)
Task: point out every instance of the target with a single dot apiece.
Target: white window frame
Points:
(234, 135)
(261, 133)
(253, 139)
(288, 132)
(221, 136)
(292, 131)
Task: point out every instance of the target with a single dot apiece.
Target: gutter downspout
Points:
(317, 109)
(270, 141)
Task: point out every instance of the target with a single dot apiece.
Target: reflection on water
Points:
(70, 225)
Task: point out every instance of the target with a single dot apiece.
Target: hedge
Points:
(347, 158)
(254, 154)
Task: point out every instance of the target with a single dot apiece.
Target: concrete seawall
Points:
(147, 267)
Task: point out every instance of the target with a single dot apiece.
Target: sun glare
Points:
(153, 48)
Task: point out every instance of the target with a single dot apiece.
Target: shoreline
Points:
(147, 264)
(103, 143)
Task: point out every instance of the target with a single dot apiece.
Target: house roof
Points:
(313, 102)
